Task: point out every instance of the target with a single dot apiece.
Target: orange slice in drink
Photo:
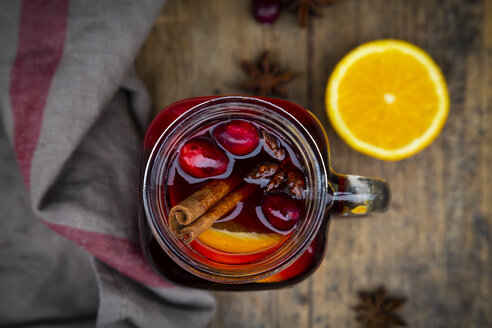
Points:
(387, 99)
(238, 242)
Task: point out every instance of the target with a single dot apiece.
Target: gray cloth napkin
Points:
(73, 113)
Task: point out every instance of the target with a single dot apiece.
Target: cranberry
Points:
(237, 137)
(200, 158)
(266, 11)
(282, 211)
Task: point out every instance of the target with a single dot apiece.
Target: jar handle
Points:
(356, 195)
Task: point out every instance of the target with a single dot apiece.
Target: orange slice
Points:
(238, 242)
(387, 99)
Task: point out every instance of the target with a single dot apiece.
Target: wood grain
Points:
(434, 244)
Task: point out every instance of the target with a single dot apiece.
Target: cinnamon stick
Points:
(198, 203)
(196, 228)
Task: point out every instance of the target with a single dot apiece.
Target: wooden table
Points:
(434, 244)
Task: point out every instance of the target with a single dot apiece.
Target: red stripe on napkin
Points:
(42, 28)
(119, 253)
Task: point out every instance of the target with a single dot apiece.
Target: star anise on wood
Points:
(305, 7)
(376, 309)
(265, 78)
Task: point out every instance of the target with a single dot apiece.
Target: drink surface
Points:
(264, 164)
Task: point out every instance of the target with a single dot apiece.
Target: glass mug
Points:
(328, 195)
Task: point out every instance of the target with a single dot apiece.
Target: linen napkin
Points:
(74, 112)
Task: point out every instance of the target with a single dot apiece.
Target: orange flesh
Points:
(399, 96)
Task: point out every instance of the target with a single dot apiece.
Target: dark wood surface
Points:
(434, 244)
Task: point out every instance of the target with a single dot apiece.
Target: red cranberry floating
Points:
(237, 137)
(200, 158)
(266, 11)
(282, 211)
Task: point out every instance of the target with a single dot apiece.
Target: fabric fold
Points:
(125, 303)
(74, 112)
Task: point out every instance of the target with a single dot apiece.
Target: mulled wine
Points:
(239, 189)
(237, 193)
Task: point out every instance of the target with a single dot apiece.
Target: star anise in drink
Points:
(272, 146)
(306, 7)
(376, 309)
(263, 170)
(265, 78)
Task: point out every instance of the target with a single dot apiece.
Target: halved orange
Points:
(387, 99)
(239, 242)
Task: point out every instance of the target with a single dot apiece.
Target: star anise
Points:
(265, 78)
(305, 7)
(272, 146)
(376, 308)
(276, 181)
(296, 183)
(263, 170)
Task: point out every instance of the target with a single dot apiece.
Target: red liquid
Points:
(181, 186)
(247, 215)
